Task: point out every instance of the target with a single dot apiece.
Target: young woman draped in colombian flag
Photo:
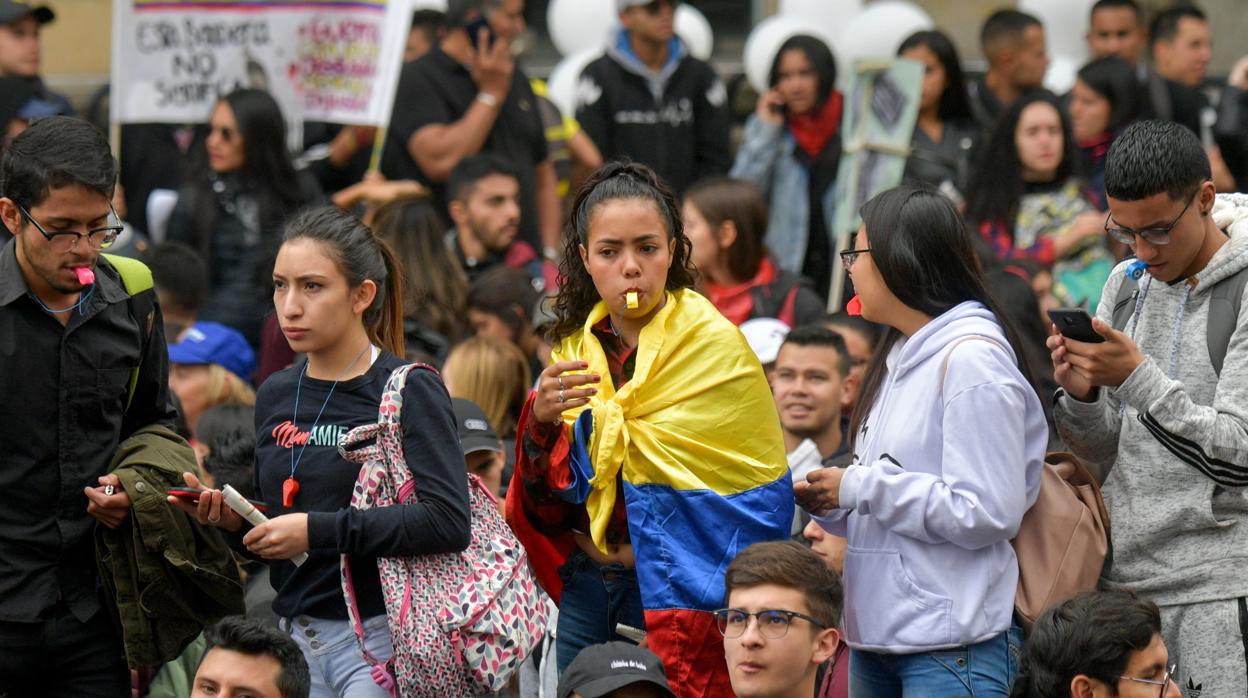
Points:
(650, 451)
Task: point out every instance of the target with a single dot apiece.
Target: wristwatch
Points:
(487, 99)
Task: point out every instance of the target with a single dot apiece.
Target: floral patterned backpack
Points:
(462, 623)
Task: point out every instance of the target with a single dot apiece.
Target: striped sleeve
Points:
(1211, 439)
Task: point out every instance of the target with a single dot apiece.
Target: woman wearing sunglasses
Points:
(242, 189)
(949, 439)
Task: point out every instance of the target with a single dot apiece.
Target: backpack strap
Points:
(1224, 302)
(1124, 302)
(944, 366)
(136, 278)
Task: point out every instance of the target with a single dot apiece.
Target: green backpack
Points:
(1224, 302)
(137, 278)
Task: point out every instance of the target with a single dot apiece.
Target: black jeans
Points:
(62, 656)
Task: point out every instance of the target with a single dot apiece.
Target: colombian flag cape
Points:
(696, 435)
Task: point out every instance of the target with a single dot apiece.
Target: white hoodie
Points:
(946, 465)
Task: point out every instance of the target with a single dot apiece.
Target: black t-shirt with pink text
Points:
(437, 522)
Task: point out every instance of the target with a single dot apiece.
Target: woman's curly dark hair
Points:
(613, 181)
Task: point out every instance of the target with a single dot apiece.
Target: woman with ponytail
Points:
(948, 438)
(651, 451)
(337, 295)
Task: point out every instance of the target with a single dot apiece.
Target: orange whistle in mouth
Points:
(86, 277)
(630, 299)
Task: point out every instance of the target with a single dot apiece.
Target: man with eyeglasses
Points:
(69, 345)
(780, 626)
(647, 99)
(1159, 409)
(1103, 643)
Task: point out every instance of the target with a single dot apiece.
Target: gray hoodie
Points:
(1171, 443)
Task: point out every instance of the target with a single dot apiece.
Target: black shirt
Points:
(437, 523)
(435, 89)
(62, 415)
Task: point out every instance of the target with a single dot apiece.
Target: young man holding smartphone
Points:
(1150, 412)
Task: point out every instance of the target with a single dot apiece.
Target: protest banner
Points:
(322, 60)
(877, 127)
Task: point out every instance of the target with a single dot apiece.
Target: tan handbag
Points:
(1063, 540)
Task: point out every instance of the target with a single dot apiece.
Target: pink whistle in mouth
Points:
(86, 277)
(854, 307)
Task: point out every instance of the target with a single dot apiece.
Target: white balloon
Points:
(829, 15)
(764, 42)
(1061, 74)
(562, 85)
(878, 30)
(693, 28)
(576, 25)
(1065, 23)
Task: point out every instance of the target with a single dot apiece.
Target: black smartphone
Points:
(191, 494)
(1076, 324)
(474, 27)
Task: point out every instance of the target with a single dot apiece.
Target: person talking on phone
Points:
(1149, 409)
(791, 150)
(467, 96)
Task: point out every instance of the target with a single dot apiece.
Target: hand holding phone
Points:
(1076, 324)
(191, 495)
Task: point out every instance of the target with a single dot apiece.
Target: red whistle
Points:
(290, 486)
(854, 307)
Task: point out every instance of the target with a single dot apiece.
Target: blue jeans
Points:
(595, 598)
(333, 655)
(984, 669)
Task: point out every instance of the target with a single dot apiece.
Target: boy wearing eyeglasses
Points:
(71, 336)
(781, 622)
(1159, 408)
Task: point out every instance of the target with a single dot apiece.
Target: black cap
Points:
(600, 669)
(11, 11)
(475, 432)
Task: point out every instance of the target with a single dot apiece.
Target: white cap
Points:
(765, 335)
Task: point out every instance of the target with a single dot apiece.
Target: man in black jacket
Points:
(82, 367)
(648, 100)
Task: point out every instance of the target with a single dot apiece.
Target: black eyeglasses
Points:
(1154, 236)
(1164, 683)
(65, 240)
(848, 257)
(773, 624)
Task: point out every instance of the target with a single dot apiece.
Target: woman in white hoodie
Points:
(949, 441)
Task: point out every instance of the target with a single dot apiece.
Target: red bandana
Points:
(814, 129)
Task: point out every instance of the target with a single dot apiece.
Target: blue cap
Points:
(214, 343)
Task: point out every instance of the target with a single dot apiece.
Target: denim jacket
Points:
(768, 158)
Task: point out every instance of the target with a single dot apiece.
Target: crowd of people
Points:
(721, 487)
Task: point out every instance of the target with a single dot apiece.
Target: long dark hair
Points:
(265, 160)
(998, 185)
(955, 104)
(924, 254)
(268, 174)
(435, 288)
(1115, 80)
(821, 60)
(360, 256)
(611, 182)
